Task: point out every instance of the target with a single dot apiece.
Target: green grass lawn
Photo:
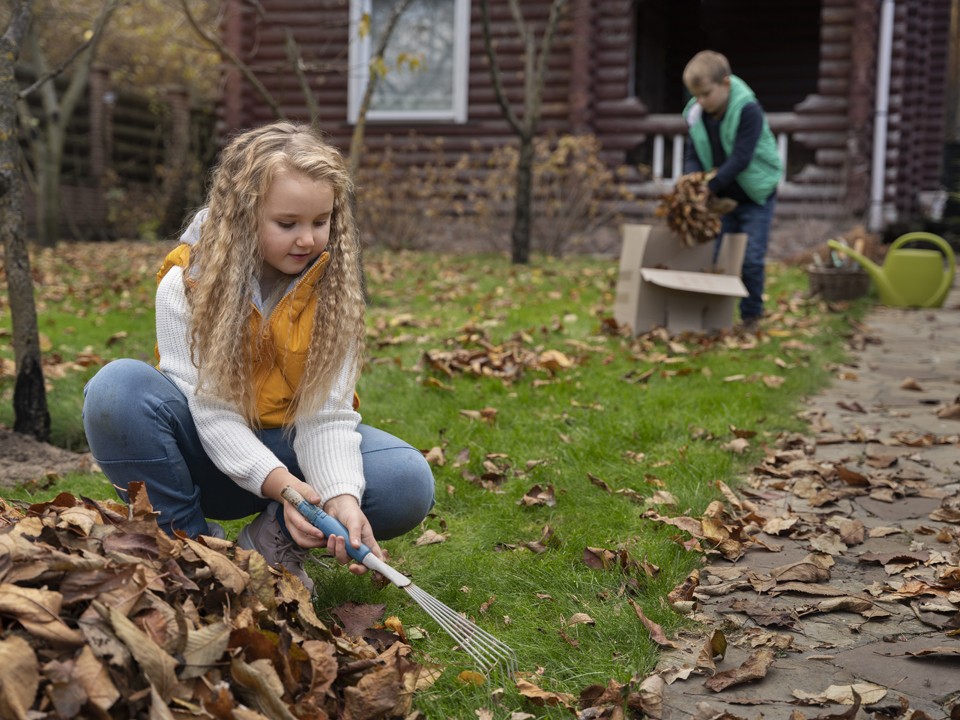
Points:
(642, 415)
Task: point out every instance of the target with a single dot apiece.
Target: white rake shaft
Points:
(488, 652)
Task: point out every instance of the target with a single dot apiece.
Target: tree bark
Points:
(29, 397)
(535, 71)
(523, 207)
(58, 110)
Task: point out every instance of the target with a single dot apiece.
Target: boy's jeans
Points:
(139, 427)
(754, 220)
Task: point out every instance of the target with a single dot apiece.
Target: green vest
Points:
(759, 179)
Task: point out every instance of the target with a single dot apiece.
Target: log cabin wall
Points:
(321, 30)
(918, 101)
(615, 72)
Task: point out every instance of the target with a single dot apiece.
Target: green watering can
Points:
(910, 277)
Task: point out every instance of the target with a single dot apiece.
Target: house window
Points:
(426, 59)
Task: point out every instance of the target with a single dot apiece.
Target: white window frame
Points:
(361, 50)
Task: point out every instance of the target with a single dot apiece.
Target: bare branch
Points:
(356, 141)
(556, 9)
(518, 18)
(78, 82)
(52, 74)
(296, 61)
(17, 27)
(495, 72)
(226, 52)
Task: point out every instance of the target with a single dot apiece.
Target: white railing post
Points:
(678, 141)
(782, 141)
(658, 157)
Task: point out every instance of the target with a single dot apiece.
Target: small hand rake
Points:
(489, 653)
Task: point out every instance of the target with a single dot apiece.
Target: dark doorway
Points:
(773, 46)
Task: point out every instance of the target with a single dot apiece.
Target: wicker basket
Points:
(837, 283)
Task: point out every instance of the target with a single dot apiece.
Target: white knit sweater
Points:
(327, 445)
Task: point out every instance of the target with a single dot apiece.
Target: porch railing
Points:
(661, 129)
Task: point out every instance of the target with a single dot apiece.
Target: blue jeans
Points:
(139, 427)
(754, 220)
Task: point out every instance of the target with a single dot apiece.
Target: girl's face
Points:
(294, 224)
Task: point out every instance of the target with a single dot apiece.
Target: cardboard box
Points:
(663, 283)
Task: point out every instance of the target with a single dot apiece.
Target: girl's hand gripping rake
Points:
(489, 653)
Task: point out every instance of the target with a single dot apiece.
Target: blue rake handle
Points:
(329, 525)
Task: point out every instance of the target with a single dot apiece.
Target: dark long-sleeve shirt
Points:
(728, 167)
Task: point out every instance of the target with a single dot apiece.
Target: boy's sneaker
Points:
(265, 536)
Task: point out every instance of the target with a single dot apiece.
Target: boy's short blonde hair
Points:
(706, 67)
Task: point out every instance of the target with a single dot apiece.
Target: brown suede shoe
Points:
(265, 536)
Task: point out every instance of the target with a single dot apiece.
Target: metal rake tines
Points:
(488, 652)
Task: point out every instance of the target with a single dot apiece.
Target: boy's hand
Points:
(721, 206)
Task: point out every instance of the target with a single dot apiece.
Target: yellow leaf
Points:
(471, 678)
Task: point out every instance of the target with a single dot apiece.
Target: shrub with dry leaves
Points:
(102, 615)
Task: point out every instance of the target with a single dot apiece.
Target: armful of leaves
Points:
(692, 211)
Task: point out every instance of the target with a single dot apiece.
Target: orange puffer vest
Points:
(285, 340)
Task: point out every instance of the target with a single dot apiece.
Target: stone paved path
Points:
(885, 430)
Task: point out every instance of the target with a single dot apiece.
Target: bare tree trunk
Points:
(48, 181)
(534, 76)
(523, 207)
(177, 163)
(29, 394)
(58, 110)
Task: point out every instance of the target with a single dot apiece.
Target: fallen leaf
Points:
(844, 694)
(938, 651)
(685, 590)
(430, 537)
(554, 361)
(435, 456)
(754, 667)
(544, 698)
(21, 673)
(487, 414)
(471, 677)
(737, 445)
(656, 632)
(949, 412)
(650, 696)
(357, 617)
(539, 495)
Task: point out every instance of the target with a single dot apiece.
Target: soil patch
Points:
(23, 459)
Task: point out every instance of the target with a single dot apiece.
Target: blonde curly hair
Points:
(226, 262)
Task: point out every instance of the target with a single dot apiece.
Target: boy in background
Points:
(728, 132)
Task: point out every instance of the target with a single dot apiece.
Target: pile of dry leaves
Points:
(692, 211)
(473, 353)
(103, 615)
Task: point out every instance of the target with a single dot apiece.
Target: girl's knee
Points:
(417, 477)
(400, 490)
(115, 382)
(125, 395)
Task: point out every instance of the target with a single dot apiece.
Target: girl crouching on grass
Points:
(260, 334)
